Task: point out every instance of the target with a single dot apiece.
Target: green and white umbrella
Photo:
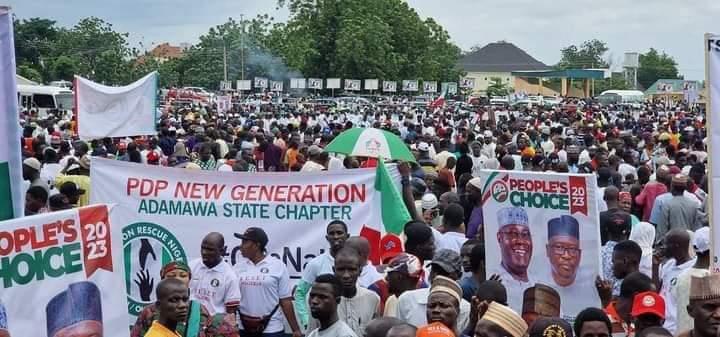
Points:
(369, 142)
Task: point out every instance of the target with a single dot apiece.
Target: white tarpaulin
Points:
(61, 274)
(713, 76)
(11, 191)
(116, 111)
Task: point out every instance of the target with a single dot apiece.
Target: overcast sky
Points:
(541, 28)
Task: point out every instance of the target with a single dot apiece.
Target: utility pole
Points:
(224, 60)
(242, 47)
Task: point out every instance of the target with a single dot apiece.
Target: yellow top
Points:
(82, 182)
(159, 330)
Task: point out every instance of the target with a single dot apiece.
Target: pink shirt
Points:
(646, 198)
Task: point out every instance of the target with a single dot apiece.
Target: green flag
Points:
(394, 213)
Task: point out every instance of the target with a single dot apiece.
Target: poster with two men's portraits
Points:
(541, 232)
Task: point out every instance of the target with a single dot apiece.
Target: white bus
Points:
(622, 96)
(44, 98)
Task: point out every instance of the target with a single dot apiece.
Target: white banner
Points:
(61, 273)
(315, 83)
(429, 86)
(244, 85)
(713, 77)
(371, 84)
(224, 103)
(543, 228)
(352, 85)
(333, 83)
(173, 209)
(410, 85)
(104, 111)
(297, 83)
(11, 190)
(389, 86)
(467, 83)
(261, 82)
(276, 86)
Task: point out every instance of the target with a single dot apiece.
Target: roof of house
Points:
(500, 57)
(166, 50)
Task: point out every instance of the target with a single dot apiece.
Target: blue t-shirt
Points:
(469, 288)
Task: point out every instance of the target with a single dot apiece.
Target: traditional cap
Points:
(680, 179)
(170, 266)
(648, 302)
(550, 327)
(33, 163)
(705, 288)
(71, 189)
(446, 285)
(80, 302)
(542, 300)
(487, 134)
(390, 246)
(314, 150)
(476, 182)
(436, 329)
(512, 216)
(506, 318)
(254, 234)
(701, 240)
(565, 225)
(423, 147)
(429, 201)
(449, 260)
(406, 264)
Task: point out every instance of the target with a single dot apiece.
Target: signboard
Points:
(333, 83)
(276, 86)
(60, 266)
(543, 228)
(371, 84)
(297, 83)
(450, 87)
(389, 86)
(663, 87)
(244, 85)
(170, 211)
(261, 82)
(352, 85)
(429, 86)
(225, 85)
(467, 83)
(712, 49)
(410, 85)
(315, 83)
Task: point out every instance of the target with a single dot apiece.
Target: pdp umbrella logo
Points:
(146, 248)
(499, 191)
(372, 146)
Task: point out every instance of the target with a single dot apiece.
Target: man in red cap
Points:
(648, 310)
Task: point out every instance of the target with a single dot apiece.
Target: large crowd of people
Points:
(650, 161)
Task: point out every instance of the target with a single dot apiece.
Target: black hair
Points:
(168, 282)
(492, 291)
(417, 233)
(655, 330)
(454, 216)
(477, 256)
(38, 192)
(333, 281)
(633, 283)
(630, 248)
(337, 222)
(591, 315)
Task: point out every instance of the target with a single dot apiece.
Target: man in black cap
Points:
(75, 312)
(72, 192)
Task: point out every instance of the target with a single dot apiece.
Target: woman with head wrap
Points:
(644, 235)
(150, 313)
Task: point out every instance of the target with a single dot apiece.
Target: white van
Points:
(44, 98)
(625, 96)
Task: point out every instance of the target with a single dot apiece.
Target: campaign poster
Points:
(449, 87)
(244, 85)
(352, 85)
(315, 83)
(261, 82)
(164, 213)
(224, 103)
(333, 83)
(297, 83)
(389, 86)
(371, 84)
(410, 85)
(429, 86)
(61, 273)
(543, 228)
(467, 83)
(276, 86)
(712, 43)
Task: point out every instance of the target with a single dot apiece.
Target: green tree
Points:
(34, 43)
(655, 66)
(63, 68)
(497, 87)
(29, 72)
(588, 55)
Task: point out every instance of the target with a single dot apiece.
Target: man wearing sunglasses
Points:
(515, 241)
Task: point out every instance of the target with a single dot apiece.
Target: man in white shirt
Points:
(214, 283)
(368, 273)
(318, 160)
(454, 236)
(323, 302)
(412, 304)
(676, 243)
(488, 148)
(478, 158)
(681, 293)
(516, 247)
(358, 305)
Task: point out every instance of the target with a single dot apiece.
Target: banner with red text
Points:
(712, 43)
(543, 228)
(60, 273)
(164, 213)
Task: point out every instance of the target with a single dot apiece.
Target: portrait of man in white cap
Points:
(516, 246)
